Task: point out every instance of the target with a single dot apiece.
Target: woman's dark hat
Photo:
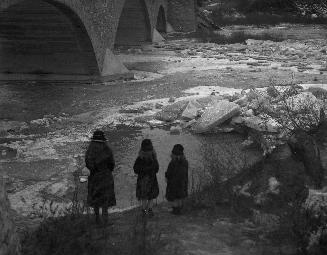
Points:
(146, 145)
(98, 135)
(178, 150)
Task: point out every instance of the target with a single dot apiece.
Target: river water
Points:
(208, 155)
(43, 168)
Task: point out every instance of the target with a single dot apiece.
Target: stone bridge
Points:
(76, 38)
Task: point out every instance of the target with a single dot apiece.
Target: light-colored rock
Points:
(252, 94)
(192, 110)
(243, 101)
(237, 120)
(155, 123)
(215, 115)
(208, 100)
(171, 100)
(189, 123)
(172, 112)
(158, 106)
(9, 242)
(249, 113)
(175, 130)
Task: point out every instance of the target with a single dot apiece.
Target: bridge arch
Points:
(134, 27)
(161, 24)
(44, 37)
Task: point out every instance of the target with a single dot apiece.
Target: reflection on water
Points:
(206, 154)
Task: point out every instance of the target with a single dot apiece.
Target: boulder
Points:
(237, 120)
(243, 101)
(172, 112)
(192, 110)
(158, 106)
(175, 130)
(189, 124)
(215, 115)
(134, 109)
(171, 100)
(252, 94)
(9, 242)
(249, 113)
(208, 100)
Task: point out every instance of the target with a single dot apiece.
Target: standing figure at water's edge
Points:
(177, 179)
(146, 167)
(100, 161)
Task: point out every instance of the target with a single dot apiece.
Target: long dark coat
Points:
(100, 161)
(146, 168)
(177, 179)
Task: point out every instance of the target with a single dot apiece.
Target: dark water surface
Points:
(218, 154)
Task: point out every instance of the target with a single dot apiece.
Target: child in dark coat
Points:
(146, 167)
(177, 179)
(100, 161)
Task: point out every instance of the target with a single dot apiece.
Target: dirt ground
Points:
(198, 231)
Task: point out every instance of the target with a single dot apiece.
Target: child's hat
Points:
(98, 135)
(146, 145)
(178, 150)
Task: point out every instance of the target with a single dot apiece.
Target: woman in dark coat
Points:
(100, 161)
(177, 179)
(146, 167)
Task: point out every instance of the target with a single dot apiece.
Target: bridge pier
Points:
(64, 39)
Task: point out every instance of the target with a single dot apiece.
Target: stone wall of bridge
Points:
(74, 36)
